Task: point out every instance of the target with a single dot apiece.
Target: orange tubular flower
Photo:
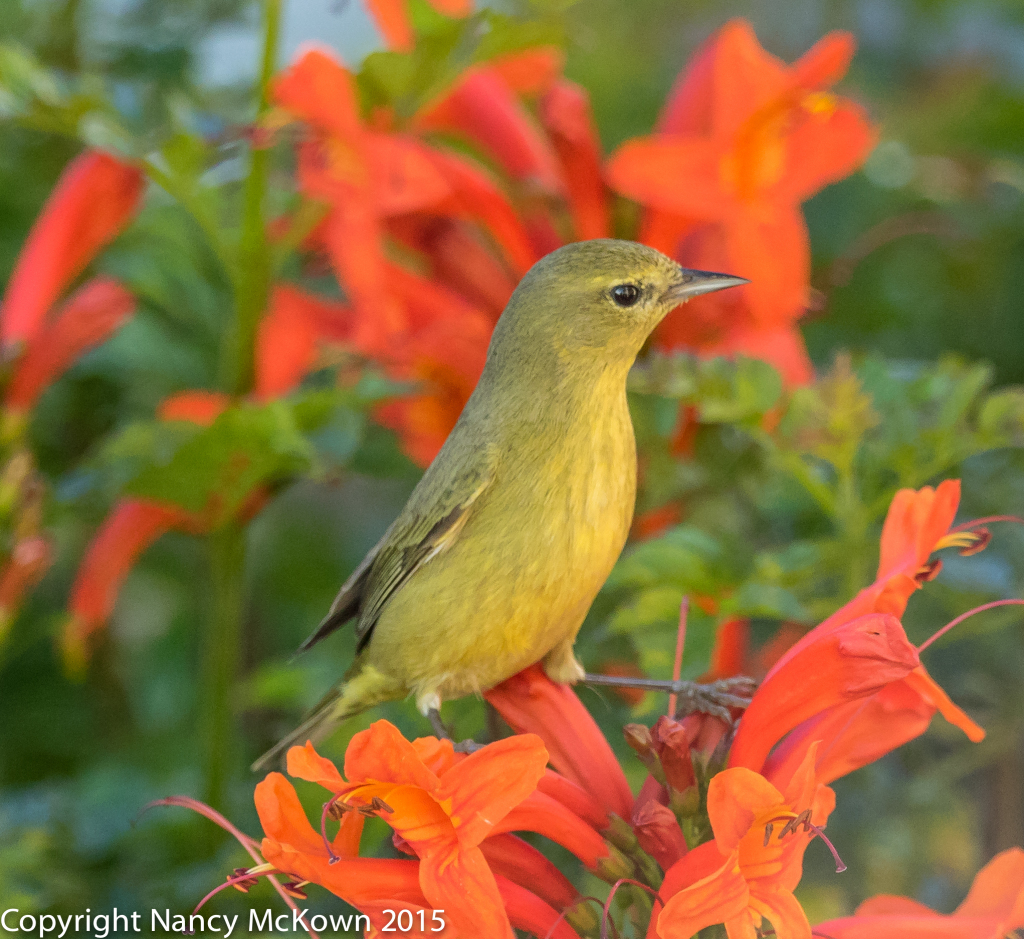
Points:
(441, 807)
(392, 18)
(748, 873)
(132, 527)
(287, 345)
(994, 908)
(856, 732)
(532, 703)
(743, 140)
(95, 199)
(483, 108)
(100, 308)
(292, 846)
(565, 113)
(365, 176)
(850, 662)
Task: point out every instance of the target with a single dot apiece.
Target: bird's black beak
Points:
(694, 283)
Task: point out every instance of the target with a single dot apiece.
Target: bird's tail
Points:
(367, 688)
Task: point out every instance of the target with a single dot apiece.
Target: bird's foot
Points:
(442, 732)
(716, 698)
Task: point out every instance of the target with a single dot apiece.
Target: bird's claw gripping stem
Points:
(715, 698)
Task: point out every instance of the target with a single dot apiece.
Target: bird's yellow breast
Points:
(523, 572)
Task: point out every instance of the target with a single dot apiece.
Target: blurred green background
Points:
(918, 257)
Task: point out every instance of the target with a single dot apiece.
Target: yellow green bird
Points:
(507, 538)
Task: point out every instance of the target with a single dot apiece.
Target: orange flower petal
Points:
(565, 113)
(826, 148)
(93, 201)
(916, 520)
(88, 318)
(483, 788)
(853, 734)
(392, 20)
(289, 336)
(306, 763)
(283, 818)
(482, 108)
(826, 61)
(530, 71)
(461, 884)
(475, 196)
(381, 753)
(318, 89)
(784, 911)
(716, 898)
(532, 703)
(650, 171)
(994, 908)
(831, 665)
(736, 797)
(926, 686)
(998, 891)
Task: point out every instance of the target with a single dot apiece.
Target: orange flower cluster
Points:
(728, 851)
(743, 141)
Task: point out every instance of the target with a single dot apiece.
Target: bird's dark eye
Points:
(625, 294)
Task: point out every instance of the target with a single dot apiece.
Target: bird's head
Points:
(601, 297)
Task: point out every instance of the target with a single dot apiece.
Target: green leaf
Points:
(218, 467)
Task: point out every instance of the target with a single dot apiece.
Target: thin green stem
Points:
(223, 642)
(255, 263)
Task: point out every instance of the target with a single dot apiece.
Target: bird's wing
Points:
(423, 529)
(419, 534)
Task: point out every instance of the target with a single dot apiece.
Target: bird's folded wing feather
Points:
(426, 527)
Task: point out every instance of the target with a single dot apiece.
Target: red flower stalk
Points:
(994, 908)
(94, 200)
(88, 317)
(743, 140)
(532, 703)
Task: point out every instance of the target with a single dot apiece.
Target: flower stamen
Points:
(978, 609)
(793, 822)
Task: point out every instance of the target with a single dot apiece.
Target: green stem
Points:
(223, 642)
(254, 268)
